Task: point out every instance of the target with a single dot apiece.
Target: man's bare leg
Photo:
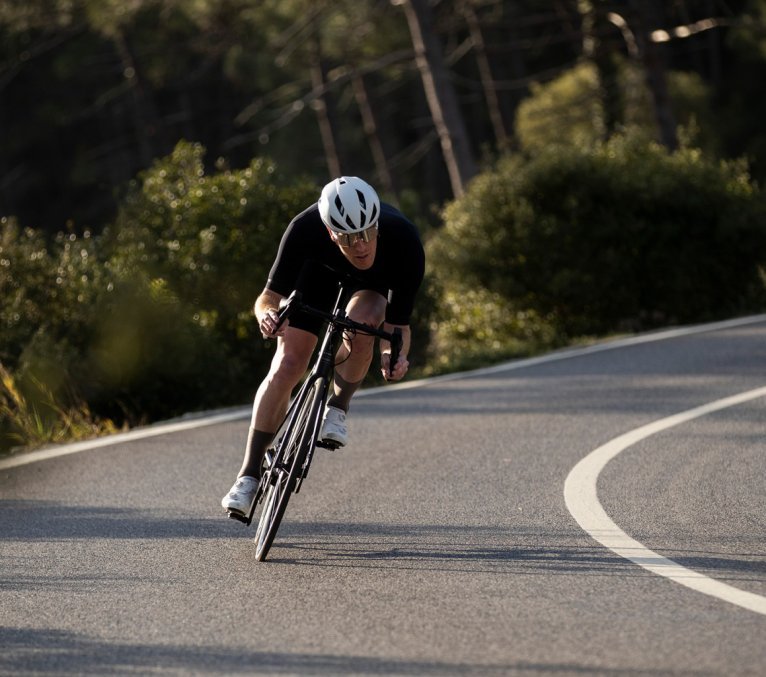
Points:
(288, 366)
(355, 355)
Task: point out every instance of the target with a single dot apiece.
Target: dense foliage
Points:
(621, 236)
(151, 318)
(200, 247)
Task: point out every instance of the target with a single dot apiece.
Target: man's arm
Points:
(266, 308)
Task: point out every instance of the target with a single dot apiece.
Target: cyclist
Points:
(350, 231)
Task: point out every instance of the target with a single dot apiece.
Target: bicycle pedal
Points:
(332, 445)
(233, 515)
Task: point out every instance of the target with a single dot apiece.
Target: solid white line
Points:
(242, 413)
(119, 438)
(581, 498)
(568, 353)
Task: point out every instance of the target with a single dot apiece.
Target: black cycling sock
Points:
(342, 392)
(255, 449)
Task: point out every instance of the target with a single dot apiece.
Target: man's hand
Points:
(266, 311)
(400, 368)
(402, 363)
(269, 322)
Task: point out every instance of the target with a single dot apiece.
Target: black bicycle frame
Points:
(323, 369)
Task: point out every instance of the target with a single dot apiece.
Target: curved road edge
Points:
(581, 497)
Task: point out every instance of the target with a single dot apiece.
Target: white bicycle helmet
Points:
(349, 205)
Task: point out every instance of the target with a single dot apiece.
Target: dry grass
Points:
(32, 417)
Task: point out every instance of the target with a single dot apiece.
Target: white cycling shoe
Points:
(334, 430)
(241, 495)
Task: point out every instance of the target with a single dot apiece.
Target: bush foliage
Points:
(570, 108)
(620, 236)
(151, 318)
(197, 248)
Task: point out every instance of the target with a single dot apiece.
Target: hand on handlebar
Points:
(270, 326)
(400, 368)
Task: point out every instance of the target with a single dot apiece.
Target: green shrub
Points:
(197, 248)
(26, 281)
(570, 108)
(474, 326)
(150, 359)
(624, 236)
(48, 292)
(153, 317)
(48, 295)
(211, 237)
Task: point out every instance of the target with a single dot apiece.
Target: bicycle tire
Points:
(294, 446)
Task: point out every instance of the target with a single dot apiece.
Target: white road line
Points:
(242, 413)
(568, 353)
(120, 438)
(581, 498)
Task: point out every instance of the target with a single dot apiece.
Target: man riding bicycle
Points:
(351, 232)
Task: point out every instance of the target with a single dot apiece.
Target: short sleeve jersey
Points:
(397, 270)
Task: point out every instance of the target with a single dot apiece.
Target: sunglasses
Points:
(350, 239)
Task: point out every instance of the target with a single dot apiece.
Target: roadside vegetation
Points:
(151, 318)
(155, 152)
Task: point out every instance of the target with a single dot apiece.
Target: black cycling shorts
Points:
(319, 287)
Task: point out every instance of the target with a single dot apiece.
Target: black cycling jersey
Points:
(397, 271)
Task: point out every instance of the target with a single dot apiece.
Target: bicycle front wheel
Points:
(292, 448)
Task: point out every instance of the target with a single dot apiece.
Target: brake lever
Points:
(396, 348)
(287, 306)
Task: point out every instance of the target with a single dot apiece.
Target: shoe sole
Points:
(237, 515)
(330, 444)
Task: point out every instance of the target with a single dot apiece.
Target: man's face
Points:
(360, 254)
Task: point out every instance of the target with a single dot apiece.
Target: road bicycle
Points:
(288, 458)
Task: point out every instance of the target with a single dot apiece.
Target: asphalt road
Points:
(438, 543)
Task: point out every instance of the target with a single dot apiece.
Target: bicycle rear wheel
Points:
(292, 447)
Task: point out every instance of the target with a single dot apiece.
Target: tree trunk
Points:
(371, 130)
(485, 74)
(644, 18)
(597, 49)
(148, 127)
(714, 52)
(318, 82)
(440, 94)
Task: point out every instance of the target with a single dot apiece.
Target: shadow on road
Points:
(54, 652)
(483, 549)
(49, 520)
(519, 549)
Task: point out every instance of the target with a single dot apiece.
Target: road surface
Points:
(448, 538)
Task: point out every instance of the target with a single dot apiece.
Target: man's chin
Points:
(362, 264)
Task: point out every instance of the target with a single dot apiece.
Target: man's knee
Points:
(368, 308)
(288, 368)
(291, 360)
